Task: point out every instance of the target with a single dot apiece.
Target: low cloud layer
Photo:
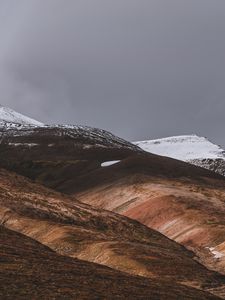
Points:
(139, 68)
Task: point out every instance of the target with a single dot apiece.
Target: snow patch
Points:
(87, 146)
(109, 163)
(23, 144)
(216, 254)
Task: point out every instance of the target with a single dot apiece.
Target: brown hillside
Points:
(77, 230)
(28, 270)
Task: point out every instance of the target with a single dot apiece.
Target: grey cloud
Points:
(140, 68)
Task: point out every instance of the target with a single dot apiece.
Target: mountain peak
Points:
(183, 147)
(8, 115)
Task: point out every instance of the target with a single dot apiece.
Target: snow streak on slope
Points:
(186, 148)
(109, 163)
(8, 115)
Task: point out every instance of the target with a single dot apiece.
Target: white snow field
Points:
(8, 115)
(184, 147)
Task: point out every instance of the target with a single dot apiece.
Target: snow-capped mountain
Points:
(15, 126)
(185, 147)
(8, 115)
(85, 136)
(189, 148)
(17, 129)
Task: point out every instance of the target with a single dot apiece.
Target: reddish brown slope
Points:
(77, 230)
(184, 202)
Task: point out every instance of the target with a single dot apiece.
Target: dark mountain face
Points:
(58, 156)
(52, 155)
(83, 136)
(61, 144)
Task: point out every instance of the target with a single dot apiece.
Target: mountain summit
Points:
(184, 147)
(8, 115)
(189, 148)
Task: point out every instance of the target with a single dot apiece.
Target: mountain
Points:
(8, 115)
(182, 201)
(15, 125)
(79, 147)
(105, 213)
(70, 160)
(30, 270)
(79, 231)
(190, 148)
(74, 149)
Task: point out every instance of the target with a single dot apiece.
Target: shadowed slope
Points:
(62, 143)
(28, 270)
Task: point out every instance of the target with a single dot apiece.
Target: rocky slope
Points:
(79, 231)
(189, 148)
(30, 270)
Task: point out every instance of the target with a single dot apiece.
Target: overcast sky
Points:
(139, 68)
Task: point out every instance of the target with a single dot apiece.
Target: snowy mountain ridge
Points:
(189, 148)
(8, 115)
(15, 125)
(184, 147)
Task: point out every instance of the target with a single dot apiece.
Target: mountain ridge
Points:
(8, 115)
(194, 149)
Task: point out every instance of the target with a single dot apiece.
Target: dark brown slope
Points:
(77, 230)
(28, 270)
(62, 143)
(53, 155)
